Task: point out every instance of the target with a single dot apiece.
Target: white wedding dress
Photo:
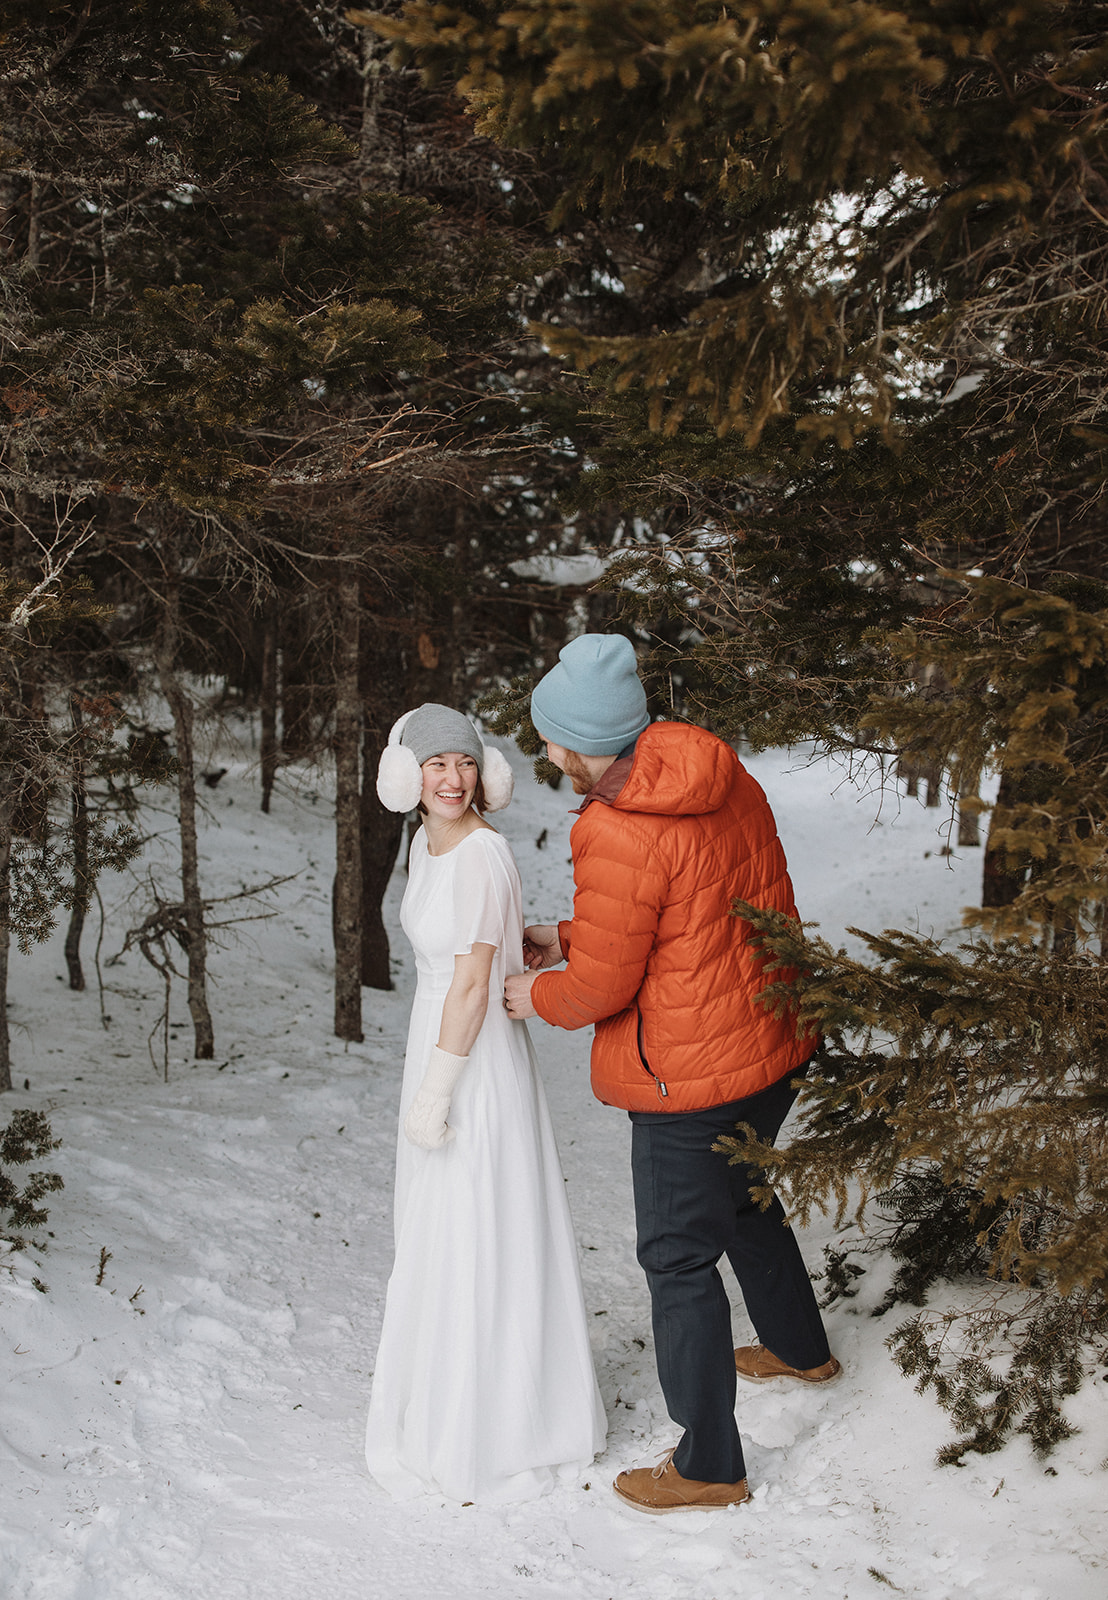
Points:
(484, 1387)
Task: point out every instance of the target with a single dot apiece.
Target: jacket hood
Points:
(676, 770)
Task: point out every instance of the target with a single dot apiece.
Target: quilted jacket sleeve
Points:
(620, 890)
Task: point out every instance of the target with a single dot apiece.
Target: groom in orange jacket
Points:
(671, 830)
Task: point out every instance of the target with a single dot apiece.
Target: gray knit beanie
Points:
(434, 730)
(593, 701)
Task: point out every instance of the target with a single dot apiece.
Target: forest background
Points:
(342, 352)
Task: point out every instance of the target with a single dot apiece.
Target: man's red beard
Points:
(579, 774)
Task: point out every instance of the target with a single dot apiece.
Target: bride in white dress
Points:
(484, 1387)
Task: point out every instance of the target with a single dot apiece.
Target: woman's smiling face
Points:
(449, 784)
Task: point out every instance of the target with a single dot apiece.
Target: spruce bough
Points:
(27, 1137)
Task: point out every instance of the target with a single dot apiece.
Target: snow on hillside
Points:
(192, 1425)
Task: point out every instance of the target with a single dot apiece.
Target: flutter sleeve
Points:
(482, 894)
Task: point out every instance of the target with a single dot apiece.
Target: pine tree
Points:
(41, 624)
(875, 429)
(215, 329)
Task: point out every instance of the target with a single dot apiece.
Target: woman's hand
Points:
(426, 1125)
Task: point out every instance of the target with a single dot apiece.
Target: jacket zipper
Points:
(663, 1092)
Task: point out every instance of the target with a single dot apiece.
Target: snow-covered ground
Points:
(191, 1427)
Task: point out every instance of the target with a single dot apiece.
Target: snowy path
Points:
(192, 1426)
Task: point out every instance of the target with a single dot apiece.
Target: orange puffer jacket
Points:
(663, 844)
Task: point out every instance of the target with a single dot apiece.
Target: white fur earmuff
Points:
(497, 778)
(400, 776)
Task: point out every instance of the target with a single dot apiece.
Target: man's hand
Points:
(541, 947)
(517, 996)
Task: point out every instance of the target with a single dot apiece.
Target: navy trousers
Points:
(691, 1208)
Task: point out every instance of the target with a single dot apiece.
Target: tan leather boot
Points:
(662, 1488)
(758, 1365)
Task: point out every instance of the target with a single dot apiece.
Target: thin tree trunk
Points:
(12, 790)
(907, 769)
(373, 52)
(381, 833)
(299, 691)
(348, 853)
(10, 195)
(34, 225)
(269, 708)
(181, 708)
(1063, 932)
(82, 882)
(7, 812)
(382, 686)
(461, 625)
(1066, 921)
(969, 831)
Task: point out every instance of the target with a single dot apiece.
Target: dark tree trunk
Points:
(348, 853)
(461, 624)
(7, 812)
(1066, 919)
(302, 704)
(969, 832)
(31, 818)
(82, 880)
(381, 834)
(1001, 884)
(383, 684)
(181, 708)
(34, 225)
(1064, 932)
(269, 707)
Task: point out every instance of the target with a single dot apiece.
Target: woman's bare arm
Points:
(467, 1000)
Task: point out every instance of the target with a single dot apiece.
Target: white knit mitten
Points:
(425, 1124)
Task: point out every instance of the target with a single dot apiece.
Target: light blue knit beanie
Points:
(593, 701)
